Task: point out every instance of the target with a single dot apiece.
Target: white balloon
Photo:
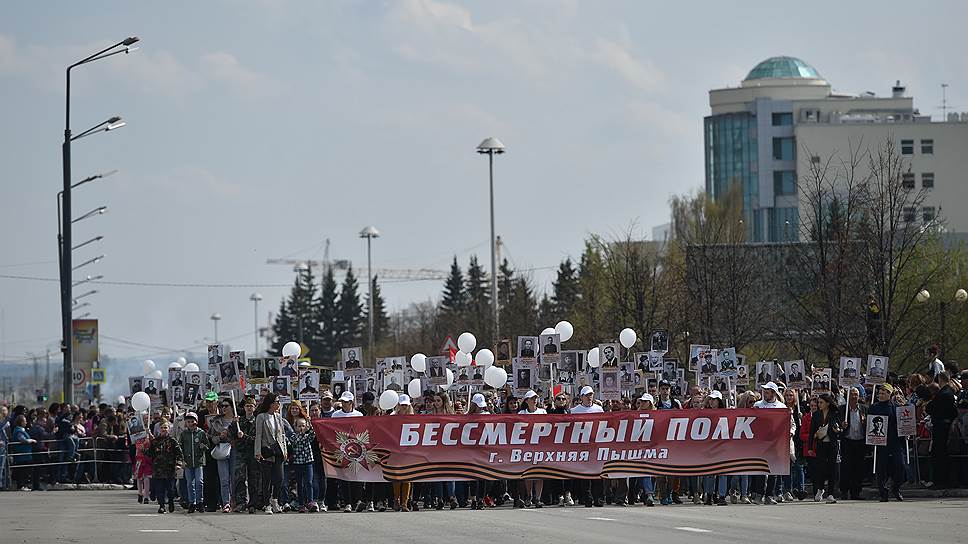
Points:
(565, 329)
(923, 295)
(174, 365)
(190, 367)
(485, 357)
(389, 399)
(182, 361)
(466, 342)
(627, 338)
(419, 363)
(549, 330)
(450, 380)
(156, 375)
(120, 399)
(462, 359)
(148, 367)
(961, 295)
(593, 358)
(495, 376)
(140, 401)
(413, 388)
(291, 349)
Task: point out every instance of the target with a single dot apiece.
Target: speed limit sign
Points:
(79, 376)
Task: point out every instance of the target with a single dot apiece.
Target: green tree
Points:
(282, 329)
(567, 291)
(349, 313)
(453, 304)
(505, 286)
(327, 316)
(381, 322)
(591, 316)
(521, 315)
(477, 314)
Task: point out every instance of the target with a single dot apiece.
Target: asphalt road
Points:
(115, 517)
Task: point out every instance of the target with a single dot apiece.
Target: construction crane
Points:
(342, 265)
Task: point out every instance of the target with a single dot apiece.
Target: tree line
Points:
(846, 284)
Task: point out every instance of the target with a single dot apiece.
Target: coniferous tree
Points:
(326, 315)
(349, 313)
(521, 317)
(546, 313)
(282, 329)
(453, 304)
(477, 316)
(505, 287)
(381, 322)
(567, 291)
(591, 318)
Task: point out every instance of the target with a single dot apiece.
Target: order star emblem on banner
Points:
(355, 451)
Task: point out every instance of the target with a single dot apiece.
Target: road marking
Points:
(693, 529)
(603, 519)
(142, 515)
(157, 530)
(881, 527)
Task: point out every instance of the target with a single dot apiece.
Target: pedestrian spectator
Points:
(25, 474)
(143, 470)
(943, 412)
(890, 458)
(246, 468)
(302, 464)
(270, 451)
(218, 437)
(854, 446)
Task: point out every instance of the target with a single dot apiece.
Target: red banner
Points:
(606, 445)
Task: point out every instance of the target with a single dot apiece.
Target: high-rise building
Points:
(757, 133)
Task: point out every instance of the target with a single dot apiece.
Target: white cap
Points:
(647, 397)
(404, 399)
(587, 390)
(771, 385)
(347, 396)
(479, 400)
(191, 415)
(714, 394)
(530, 394)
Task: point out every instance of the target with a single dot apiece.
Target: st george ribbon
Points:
(604, 445)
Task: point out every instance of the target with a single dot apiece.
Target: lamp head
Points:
(130, 40)
(491, 145)
(369, 232)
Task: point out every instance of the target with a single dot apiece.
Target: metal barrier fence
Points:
(78, 457)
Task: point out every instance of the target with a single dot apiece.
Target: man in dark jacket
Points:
(942, 411)
(890, 458)
(852, 468)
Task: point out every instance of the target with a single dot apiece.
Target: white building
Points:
(757, 130)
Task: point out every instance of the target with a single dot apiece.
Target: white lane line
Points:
(693, 529)
(157, 530)
(602, 519)
(142, 515)
(881, 527)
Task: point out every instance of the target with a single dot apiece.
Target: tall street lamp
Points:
(124, 46)
(492, 146)
(370, 233)
(255, 298)
(216, 317)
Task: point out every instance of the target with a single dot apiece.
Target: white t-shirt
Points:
(582, 409)
(537, 411)
(341, 413)
(937, 367)
(763, 404)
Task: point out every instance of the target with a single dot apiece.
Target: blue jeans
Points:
(195, 480)
(442, 490)
(319, 484)
(68, 450)
(225, 479)
(304, 482)
(648, 485)
(717, 482)
(793, 481)
(742, 483)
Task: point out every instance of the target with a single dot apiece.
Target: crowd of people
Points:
(256, 455)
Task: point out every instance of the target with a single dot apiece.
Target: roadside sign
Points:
(98, 376)
(79, 377)
(449, 346)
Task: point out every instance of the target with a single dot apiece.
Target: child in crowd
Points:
(302, 464)
(194, 445)
(142, 470)
(165, 455)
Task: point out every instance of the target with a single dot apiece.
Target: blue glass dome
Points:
(783, 67)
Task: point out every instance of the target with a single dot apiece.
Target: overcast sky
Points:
(259, 129)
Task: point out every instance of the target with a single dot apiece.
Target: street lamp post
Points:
(370, 233)
(216, 317)
(960, 296)
(492, 146)
(255, 298)
(65, 271)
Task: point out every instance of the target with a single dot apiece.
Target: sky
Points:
(259, 129)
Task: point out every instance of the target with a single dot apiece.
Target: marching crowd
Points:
(266, 457)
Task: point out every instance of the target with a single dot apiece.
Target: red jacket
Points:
(805, 436)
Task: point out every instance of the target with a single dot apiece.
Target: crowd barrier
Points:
(84, 457)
